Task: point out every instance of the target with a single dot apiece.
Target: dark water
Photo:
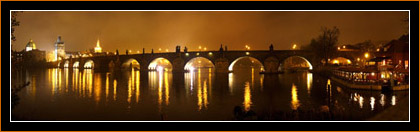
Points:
(63, 94)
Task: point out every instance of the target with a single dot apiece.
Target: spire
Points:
(98, 48)
(97, 43)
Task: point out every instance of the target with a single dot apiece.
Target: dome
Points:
(30, 46)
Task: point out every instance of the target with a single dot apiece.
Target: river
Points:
(86, 95)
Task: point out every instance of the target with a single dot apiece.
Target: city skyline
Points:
(138, 30)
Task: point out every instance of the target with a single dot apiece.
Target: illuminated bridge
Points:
(223, 61)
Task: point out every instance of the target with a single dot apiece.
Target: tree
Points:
(366, 46)
(325, 45)
(14, 23)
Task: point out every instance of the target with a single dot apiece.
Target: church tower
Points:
(98, 48)
(59, 51)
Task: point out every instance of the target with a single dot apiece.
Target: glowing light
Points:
(338, 48)
(159, 68)
(373, 74)
(378, 50)
(348, 62)
(295, 101)
(335, 62)
(210, 53)
(167, 50)
(205, 48)
(247, 53)
(186, 54)
(344, 46)
(198, 54)
(358, 59)
(199, 47)
(294, 46)
(366, 55)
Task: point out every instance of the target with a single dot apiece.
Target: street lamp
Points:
(366, 55)
(199, 47)
(294, 46)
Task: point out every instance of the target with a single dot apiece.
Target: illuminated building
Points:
(59, 51)
(98, 48)
(30, 46)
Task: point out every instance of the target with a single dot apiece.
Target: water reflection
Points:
(295, 101)
(192, 97)
(247, 97)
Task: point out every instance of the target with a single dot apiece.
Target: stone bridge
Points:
(222, 60)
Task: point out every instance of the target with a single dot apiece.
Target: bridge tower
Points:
(59, 51)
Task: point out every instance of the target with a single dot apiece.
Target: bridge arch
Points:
(130, 63)
(66, 64)
(198, 62)
(89, 64)
(253, 60)
(310, 66)
(160, 64)
(76, 64)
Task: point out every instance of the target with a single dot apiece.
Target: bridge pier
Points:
(271, 65)
(178, 65)
(222, 65)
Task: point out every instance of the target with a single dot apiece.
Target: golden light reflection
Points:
(261, 82)
(360, 101)
(199, 92)
(372, 103)
(129, 88)
(89, 82)
(97, 87)
(59, 81)
(295, 100)
(160, 89)
(115, 89)
(205, 94)
(309, 82)
(252, 77)
(66, 75)
(393, 100)
(107, 87)
(166, 88)
(247, 97)
(210, 81)
(382, 101)
(33, 86)
(231, 83)
(137, 86)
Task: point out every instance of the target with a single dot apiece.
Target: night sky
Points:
(136, 29)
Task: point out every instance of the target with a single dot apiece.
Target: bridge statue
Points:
(126, 52)
(143, 50)
(117, 52)
(271, 48)
(221, 48)
(152, 51)
(185, 49)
